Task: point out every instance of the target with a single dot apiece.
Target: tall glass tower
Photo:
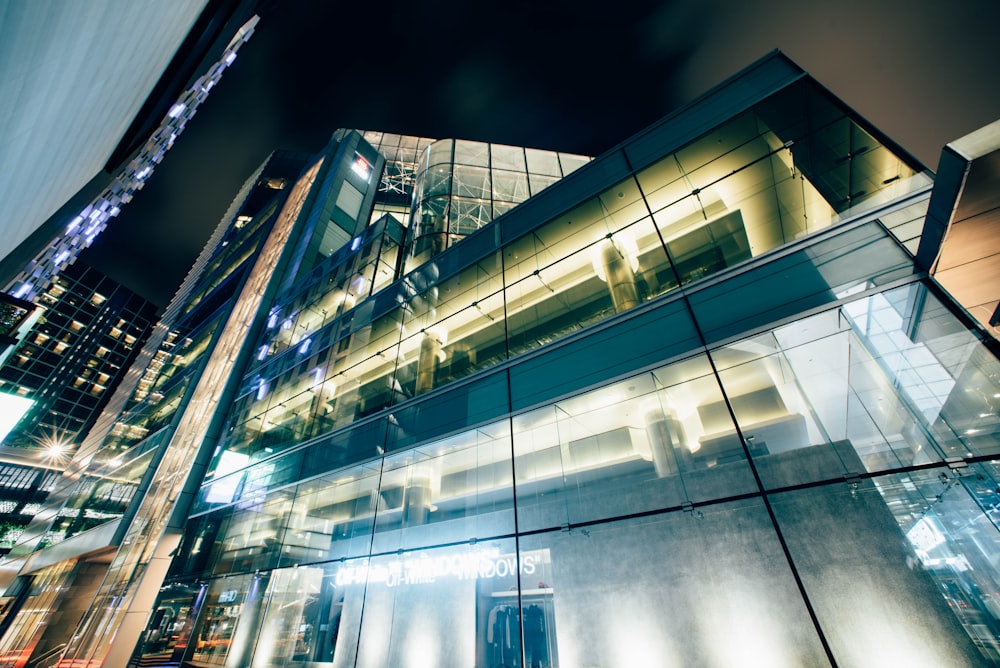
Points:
(442, 403)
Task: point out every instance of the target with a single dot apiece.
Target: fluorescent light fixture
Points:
(12, 409)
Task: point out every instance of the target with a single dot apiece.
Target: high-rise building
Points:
(23, 490)
(695, 402)
(55, 383)
(68, 332)
(29, 269)
(55, 378)
(90, 330)
(68, 97)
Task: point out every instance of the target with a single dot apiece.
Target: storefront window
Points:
(168, 634)
(224, 633)
(310, 619)
(451, 606)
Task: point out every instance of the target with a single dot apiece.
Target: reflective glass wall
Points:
(349, 342)
(707, 415)
(823, 491)
(461, 186)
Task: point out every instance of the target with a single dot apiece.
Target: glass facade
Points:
(692, 408)
(461, 186)
(837, 468)
(604, 440)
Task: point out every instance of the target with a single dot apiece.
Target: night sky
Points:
(570, 76)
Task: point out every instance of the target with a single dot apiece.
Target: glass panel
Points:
(893, 568)
(224, 633)
(571, 162)
(200, 545)
(472, 153)
(947, 378)
(358, 378)
(500, 208)
(471, 182)
(439, 152)
(887, 381)
(510, 186)
(543, 162)
(640, 444)
(540, 183)
(332, 517)
(776, 418)
(451, 490)
(429, 231)
(454, 328)
(473, 403)
(253, 537)
(465, 216)
(507, 157)
(645, 339)
(311, 619)
(359, 443)
(556, 296)
(907, 224)
(763, 179)
(856, 259)
(435, 181)
(101, 498)
(710, 587)
(168, 632)
(442, 607)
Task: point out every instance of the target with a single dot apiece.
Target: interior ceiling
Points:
(67, 97)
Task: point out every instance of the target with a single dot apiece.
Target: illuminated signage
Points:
(424, 569)
(361, 167)
(228, 596)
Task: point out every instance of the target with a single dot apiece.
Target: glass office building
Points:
(694, 403)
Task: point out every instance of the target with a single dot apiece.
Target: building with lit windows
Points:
(27, 270)
(67, 332)
(55, 383)
(695, 402)
(89, 332)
